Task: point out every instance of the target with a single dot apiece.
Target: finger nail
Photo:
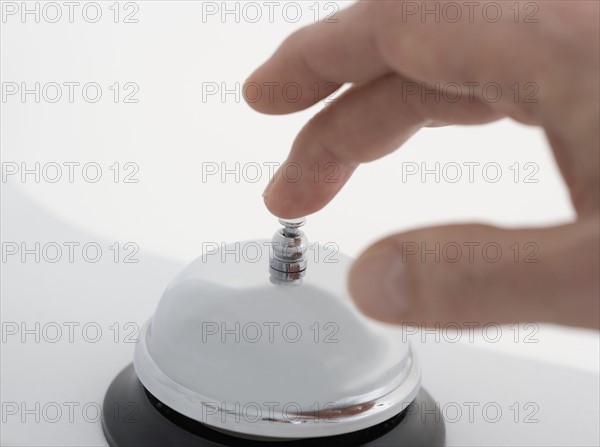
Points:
(377, 284)
(265, 193)
(272, 181)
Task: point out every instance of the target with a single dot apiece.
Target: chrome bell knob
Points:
(288, 251)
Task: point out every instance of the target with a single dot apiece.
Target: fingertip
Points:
(376, 283)
(287, 202)
(274, 89)
(298, 188)
(252, 94)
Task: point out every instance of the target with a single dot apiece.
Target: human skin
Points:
(378, 47)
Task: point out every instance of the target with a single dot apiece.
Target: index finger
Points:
(373, 38)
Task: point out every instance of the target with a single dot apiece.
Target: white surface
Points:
(171, 212)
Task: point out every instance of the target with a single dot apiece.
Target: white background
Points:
(172, 53)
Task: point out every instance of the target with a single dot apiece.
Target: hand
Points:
(379, 47)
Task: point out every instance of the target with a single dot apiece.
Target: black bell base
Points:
(132, 417)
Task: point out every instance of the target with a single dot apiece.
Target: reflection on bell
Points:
(259, 342)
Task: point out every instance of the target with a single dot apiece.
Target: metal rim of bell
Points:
(339, 419)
